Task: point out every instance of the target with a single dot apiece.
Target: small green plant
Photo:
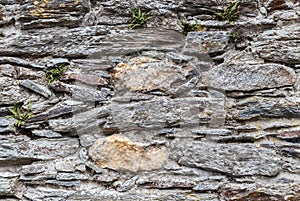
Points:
(139, 18)
(56, 73)
(20, 114)
(235, 36)
(230, 13)
(186, 26)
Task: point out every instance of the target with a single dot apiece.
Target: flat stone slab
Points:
(266, 107)
(15, 149)
(153, 114)
(164, 113)
(79, 92)
(98, 43)
(280, 49)
(43, 14)
(40, 89)
(232, 159)
(245, 77)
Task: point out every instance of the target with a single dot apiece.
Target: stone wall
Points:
(149, 113)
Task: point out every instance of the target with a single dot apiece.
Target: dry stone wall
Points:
(100, 111)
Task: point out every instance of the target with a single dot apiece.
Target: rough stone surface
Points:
(44, 91)
(150, 113)
(22, 148)
(206, 42)
(232, 159)
(262, 76)
(118, 152)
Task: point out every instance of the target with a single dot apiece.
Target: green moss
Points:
(139, 18)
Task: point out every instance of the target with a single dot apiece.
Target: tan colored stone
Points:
(119, 153)
(147, 74)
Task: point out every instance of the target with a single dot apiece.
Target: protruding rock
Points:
(85, 78)
(42, 90)
(145, 74)
(19, 149)
(119, 153)
(41, 14)
(80, 93)
(19, 61)
(245, 77)
(7, 187)
(232, 159)
(206, 42)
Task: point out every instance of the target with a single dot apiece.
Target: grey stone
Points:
(63, 183)
(206, 42)
(267, 107)
(23, 73)
(81, 123)
(280, 50)
(79, 92)
(11, 93)
(261, 191)
(272, 5)
(137, 40)
(8, 70)
(67, 164)
(46, 133)
(86, 78)
(60, 109)
(87, 140)
(167, 181)
(32, 169)
(9, 174)
(54, 62)
(7, 187)
(7, 125)
(92, 65)
(71, 176)
(129, 184)
(163, 112)
(15, 149)
(204, 187)
(44, 193)
(145, 195)
(19, 61)
(222, 132)
(42, 90)
(249, 77)
(94, 167)
(51, 13)
(289, 15)
(128, 41)
(107, 177)
(232, 159)
(226, 113)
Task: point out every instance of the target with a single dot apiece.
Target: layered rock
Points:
(149, 114)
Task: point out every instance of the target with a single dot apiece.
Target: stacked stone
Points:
(150, 114)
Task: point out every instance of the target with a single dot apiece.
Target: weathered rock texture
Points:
(150, 114)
